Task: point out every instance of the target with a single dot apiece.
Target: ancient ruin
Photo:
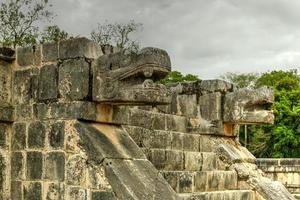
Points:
(80, 122)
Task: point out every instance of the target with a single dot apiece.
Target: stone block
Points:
(201, 181)
(50, 52)
(34, 165)
(174, 160)
(4, 135)
(23, 112)
(79, 48)
(193, 161)
(17, 166)
(76, 193)
(216, 86)
(29, 56)
(25, 85)
(48, 80)
(158, 157)
(5, 84)
(7, 114)
(36, 134)
(209, 162)
(53, 191)
(177, 140)
(191, 142)
(211, 106)
(18, 140)
(55, 166)
(103, 195)
(32, 191)
(187, 105)
(56, 134)
(73, 79)
(233, 154)
(17, 190)
(186, 182)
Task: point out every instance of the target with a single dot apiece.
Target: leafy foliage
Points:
(243, 80)
(18, 21)
(117, 34)
(53, 34)
(176, 76)
(283, 138)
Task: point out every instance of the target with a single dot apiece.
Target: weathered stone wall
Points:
(41, 156)
(74, 125)
(285, 170)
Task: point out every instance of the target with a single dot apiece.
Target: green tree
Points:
(19, 21)
(176, 76)
(242, 80)
(283, 138)
(53, 34)
(118, 35)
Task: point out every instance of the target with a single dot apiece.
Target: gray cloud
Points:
(204, 37)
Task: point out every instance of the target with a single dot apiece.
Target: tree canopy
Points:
(118, 35)
(19, 21)
(176, 76)
(283, 138)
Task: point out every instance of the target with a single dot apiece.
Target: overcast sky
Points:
(203, 37)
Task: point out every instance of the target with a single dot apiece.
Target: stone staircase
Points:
(188, 165)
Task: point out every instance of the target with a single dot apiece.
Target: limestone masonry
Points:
(81, 122)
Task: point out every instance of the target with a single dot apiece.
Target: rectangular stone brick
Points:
(17, 166)
(53, 191)
(187, 105)
(32, 191)
(17, 190)
(6, 113)
(193, 161)
(23, 112)
(177, 141)
(34, 165)
(191, 142)
(56, 135)
(158, 158)
(211, 106)
(103, 195)
(55, 166)
(36, 134)
(48, 80)
(50, 52)
(18, 136)
(25, 85)
(73, 79)
(4, 135)
(174, 160)
(79, 48)
(5, 84)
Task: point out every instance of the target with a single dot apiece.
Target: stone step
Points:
(162, 139)
(220, 195)
(204, 181)
(177, 160)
